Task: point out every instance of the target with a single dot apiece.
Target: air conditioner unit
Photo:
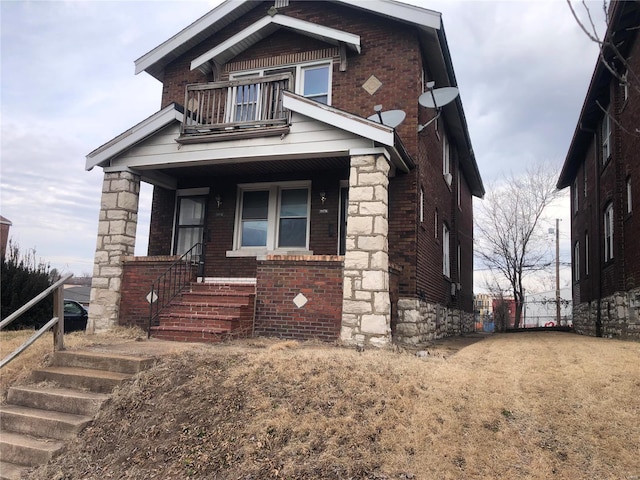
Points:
(448, 178)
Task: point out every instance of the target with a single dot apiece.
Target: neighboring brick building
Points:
(5, 225)
(263, 153)
(603, 170)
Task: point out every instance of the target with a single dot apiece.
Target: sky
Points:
(68, 86)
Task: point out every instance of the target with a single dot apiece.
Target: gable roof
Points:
(146, 128)
(264, 27)
(227, 12)
(624, 19)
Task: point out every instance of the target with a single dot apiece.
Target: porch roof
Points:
(264, 27)
(227, 12)
(365, 135)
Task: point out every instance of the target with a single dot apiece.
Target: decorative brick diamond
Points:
(372, 85)
(300, 300)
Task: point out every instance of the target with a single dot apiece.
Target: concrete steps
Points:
(37, 419)
(208, 312)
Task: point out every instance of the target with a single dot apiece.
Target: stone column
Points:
(366, 305)
(116, 238)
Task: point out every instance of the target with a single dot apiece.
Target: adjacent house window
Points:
(446, 159)
(586, 253)
(446, 257)
(273, 216)
(190, 218)
(625, 86)
(574, 197)
(608, 233)
(605, 131)
(576, 261)
(629, 198)
(435, 224)
(421, 206)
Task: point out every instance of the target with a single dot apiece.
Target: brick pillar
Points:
(366, 306)
(116, 239)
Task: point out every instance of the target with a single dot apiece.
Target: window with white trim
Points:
(446, 158)
(273, 216)
(605, 132)
(421, 206)
(629, 197)
(574, 191)
(608, 233)
(576, 261)
(446, 256)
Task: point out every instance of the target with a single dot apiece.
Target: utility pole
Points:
(557, 272)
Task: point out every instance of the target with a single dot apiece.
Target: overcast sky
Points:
(68, 86)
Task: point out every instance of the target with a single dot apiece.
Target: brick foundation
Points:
(281, 278)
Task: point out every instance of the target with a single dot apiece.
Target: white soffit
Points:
(339, 119)
(418, 16)
(134, 135)
(265, 27)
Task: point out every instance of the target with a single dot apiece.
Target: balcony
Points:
(245, 108)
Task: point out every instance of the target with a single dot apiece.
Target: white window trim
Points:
(606, 137)
(608, 233)
(576, 261)
(274, 189)
(300, 67)
(183, 192)
(629, 196)
(446, 251)
(575, 195)
(421, 207)
(446, 158)
(586, 254)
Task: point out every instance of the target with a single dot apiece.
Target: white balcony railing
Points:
(221, 107)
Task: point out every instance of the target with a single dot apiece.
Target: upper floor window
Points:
(586, 253)
(605, 132)
(576, 261)
(629, 198)
(435, 224)
(608, 233)
(446, 256)
(584, 178)
(273, 216)
(458, 186)
(421, 206)
(446, 158)
(574, 197)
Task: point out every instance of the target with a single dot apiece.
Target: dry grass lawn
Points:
(532, 405)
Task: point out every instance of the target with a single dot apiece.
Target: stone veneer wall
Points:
(619, 314)
(366, 306)
(420, 321)
(116, 238)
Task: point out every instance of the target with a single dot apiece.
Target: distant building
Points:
(540, 309)
(506, 307)
(603, 170)
(5, 225)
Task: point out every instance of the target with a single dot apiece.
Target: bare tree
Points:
(510, 239)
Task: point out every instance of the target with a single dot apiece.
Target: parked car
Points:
(75, 316)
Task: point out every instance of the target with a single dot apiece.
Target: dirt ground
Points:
(531, 405)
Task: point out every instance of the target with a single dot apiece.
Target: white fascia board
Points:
(318, 31)
(342, 120)
(418, 16)
(197, 27)
(134, 135)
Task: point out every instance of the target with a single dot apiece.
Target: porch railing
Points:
(174, 280)
(219, 107)
(57, 321)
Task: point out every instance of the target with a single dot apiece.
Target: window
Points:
(421, 206)
(629, 198)
(574, 197)
(446, 257)
(435, 224)
(458, 186)
(576, 262)
(273, 216)
(586, 253)
(314, 83)
(605, 131)
(190, 217)
(459, 252)
(584, 186)
(446, 159)
(625, 86)
(608, 233)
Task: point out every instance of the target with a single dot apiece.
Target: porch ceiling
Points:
(257, 168)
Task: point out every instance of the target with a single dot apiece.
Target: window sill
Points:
(263, 252)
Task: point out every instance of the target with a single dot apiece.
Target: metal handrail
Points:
(56, 321)
(174, 280)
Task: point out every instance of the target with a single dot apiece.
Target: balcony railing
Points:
(236, 105)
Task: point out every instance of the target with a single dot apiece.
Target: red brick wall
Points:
(138, 273)
(280, 279)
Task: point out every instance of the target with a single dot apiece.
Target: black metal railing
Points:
(219, 107)
(174, 280)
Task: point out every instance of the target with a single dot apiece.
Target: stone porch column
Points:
(366, 306)
(116, 238)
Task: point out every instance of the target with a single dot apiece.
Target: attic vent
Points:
(281, 3)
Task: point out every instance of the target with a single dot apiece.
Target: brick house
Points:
(602, 168)
(298, 215)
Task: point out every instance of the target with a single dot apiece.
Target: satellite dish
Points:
(390, 118)
(438, 97)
